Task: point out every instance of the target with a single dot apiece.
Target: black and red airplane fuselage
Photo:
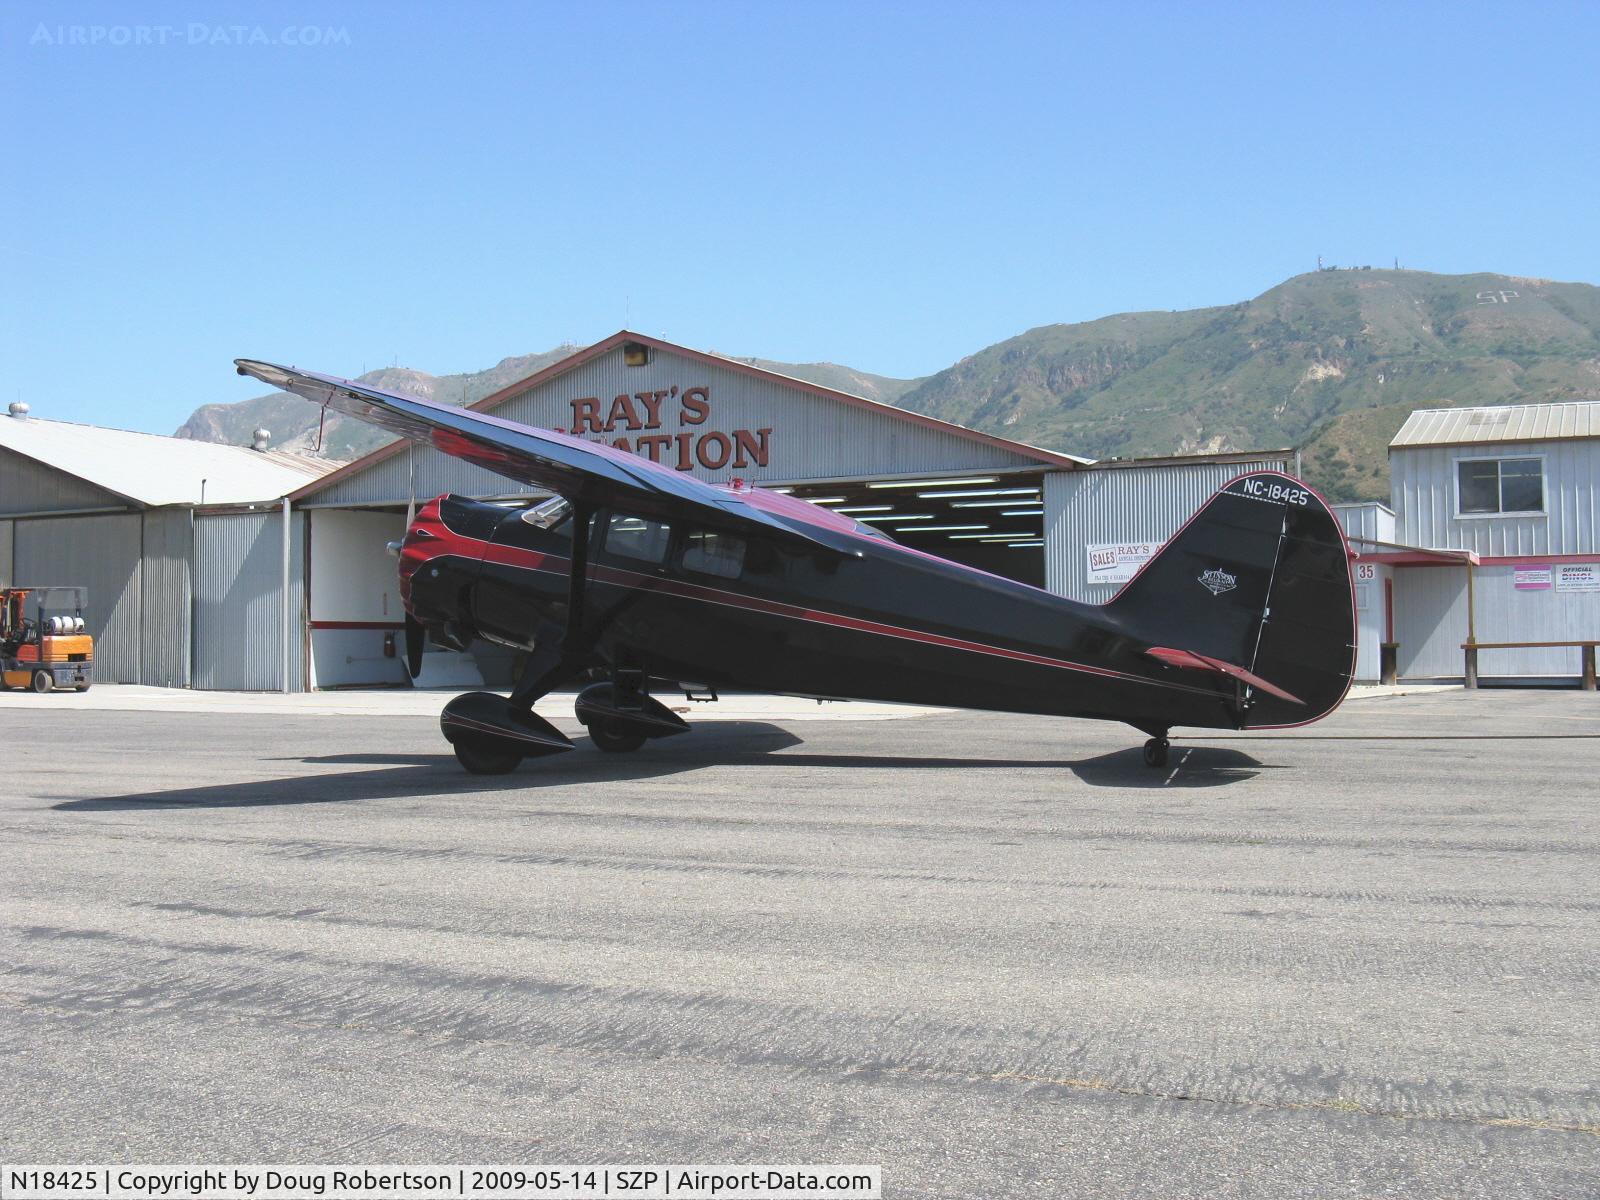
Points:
(670, 601)
(636, 575)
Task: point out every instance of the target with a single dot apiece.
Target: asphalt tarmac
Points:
(996, 955)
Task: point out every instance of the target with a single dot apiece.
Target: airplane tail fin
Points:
(1255, 589)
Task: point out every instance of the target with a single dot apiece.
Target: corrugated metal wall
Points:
(239, 603)
(102, 554)
(27, 486)
(1504, 614)
(1371, 520)
(1376, 523)
(1431, 623)
(5, 553)
(1129, 504)
(1430, 618)
(812, 437)
(1423, 493)
(168, 548)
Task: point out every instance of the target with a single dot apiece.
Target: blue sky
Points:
(891, 186)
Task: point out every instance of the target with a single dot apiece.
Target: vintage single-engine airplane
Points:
(637, 577)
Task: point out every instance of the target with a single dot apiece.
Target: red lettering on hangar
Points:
(635, 416)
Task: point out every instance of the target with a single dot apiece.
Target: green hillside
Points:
(841, 379)
(1331, 361)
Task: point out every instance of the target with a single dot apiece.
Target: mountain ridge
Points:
(1330, 362)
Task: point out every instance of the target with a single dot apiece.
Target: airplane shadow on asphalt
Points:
(398, 776)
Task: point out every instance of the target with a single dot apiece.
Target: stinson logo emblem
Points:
(1218, 581)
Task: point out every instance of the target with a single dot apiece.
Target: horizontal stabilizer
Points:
(1191, 661)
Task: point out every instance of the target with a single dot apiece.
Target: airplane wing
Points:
(584, 472)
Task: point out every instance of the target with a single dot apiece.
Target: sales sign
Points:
(1118, 562)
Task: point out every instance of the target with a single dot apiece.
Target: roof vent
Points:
(260, 438)
(19, 409)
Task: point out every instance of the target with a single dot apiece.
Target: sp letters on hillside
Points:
(666, 427)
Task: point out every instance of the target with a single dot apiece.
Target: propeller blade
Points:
(415, 638)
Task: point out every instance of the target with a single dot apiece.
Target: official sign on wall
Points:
(1578, 577)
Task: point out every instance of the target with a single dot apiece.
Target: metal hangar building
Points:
(115, 512)
(1054, 520)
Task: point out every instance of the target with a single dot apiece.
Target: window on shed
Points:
(1499, 485)
(719, 554)
(635, 537)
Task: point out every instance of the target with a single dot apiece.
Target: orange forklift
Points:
(43, 645)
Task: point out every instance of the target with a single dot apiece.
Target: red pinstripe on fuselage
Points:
(439, 540)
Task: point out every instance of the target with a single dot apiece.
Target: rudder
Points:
(1257, 580)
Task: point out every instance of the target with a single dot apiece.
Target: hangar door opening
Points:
(994, 522)
(356, 623)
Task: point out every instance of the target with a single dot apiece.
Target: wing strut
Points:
(552, 664)
(574, 643)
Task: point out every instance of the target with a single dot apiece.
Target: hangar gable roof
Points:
(988, 451)
(150, 470)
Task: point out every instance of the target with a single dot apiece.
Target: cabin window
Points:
(638, 538)
(1492, 486)
(719, 554)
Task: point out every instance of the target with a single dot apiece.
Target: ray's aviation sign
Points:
(668, 427)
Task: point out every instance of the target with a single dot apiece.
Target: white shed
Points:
(1514, 492)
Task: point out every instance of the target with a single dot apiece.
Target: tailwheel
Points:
(43, 682)
(612, 738)
(483, 757)
(1156, 751)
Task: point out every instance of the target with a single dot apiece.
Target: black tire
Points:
(483, 758)
(608, 737)
(83, 687)
(43, 682)
(1155, 752)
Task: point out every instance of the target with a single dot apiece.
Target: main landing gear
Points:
(491, 734)
(620, 716)
(482, 757)
(613, 738)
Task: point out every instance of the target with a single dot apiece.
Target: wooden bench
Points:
(1586, 657)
